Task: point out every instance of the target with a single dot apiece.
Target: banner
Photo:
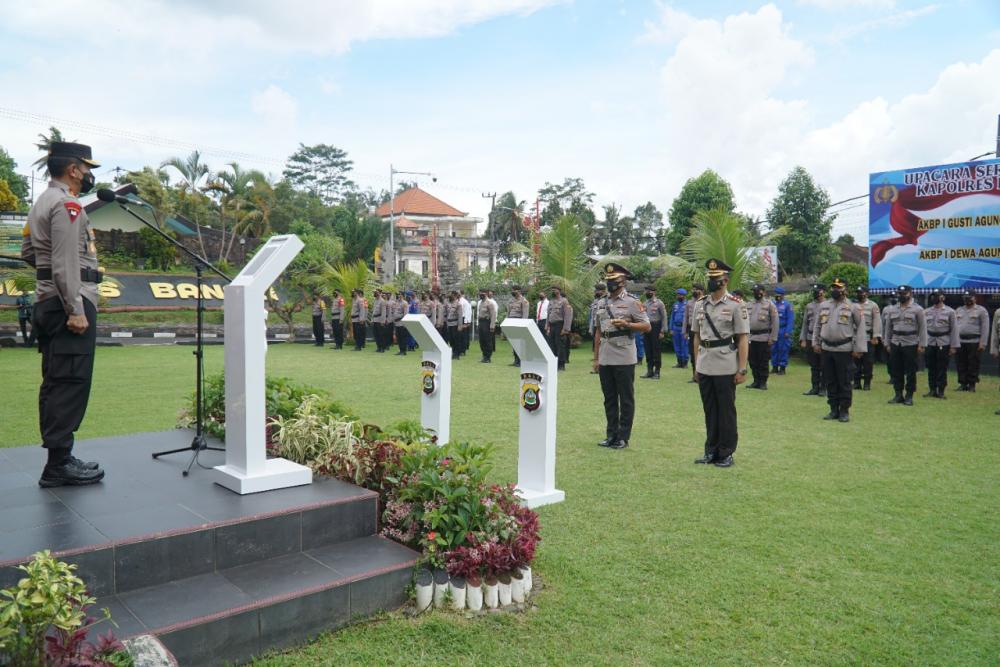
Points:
(143, 289)
(936, 227)
(768, 256)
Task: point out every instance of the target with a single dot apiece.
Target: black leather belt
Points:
(838, 343)
(971, 339)
(760, 331)
(939, 333)
(905, 333)
(86, 275)
(717, 343)
(616, 334)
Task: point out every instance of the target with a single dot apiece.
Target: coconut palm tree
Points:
(235, 189)
(346, 278)
(193, 171)
(564, 263)
(45, 144)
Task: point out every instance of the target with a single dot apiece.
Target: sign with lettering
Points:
(936, 227)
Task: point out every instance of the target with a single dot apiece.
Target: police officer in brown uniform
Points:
(906, 336)
(995, 338)
(840, 336)
(519, 308)
(399, 311)
(336, 319)
(721, 326)
(657, 313)
(318, 328)
(359, 318)
(378, 308)
(763, 334)
(619, 316)
(59, 243)
(486, 312)
(697, 291)
(973, 332)
(873, 329)
(805, 340)
(558, 325)
(942, 343)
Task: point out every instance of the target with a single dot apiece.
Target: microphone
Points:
(104, 194)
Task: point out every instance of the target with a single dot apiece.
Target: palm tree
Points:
(235, 188)
(45, 144)
(192, 171)
(564, 262)
(343, 277)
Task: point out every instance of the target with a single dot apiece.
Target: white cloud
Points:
(274, 104)
(894, 20)
(849, 4)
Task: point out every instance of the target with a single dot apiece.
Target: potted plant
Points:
(474, 593)
(425, 589)
(491, 591)
(517, 586)
(504, 589)
(440, 587)
(458, 589)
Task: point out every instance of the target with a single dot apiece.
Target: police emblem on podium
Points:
(531, 391)
(428, 375)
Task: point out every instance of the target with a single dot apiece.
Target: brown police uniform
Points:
(487, 314)
(973, 332)
(520, 308)
(763, 334)
(336, 320)
(839, 333)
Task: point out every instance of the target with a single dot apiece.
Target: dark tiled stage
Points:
(218, 576)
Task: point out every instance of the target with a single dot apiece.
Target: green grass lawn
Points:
(876, 541)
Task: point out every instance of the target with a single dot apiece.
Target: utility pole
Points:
(492, 196)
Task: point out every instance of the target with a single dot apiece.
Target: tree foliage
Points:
(564, 264)
(45, 142)
(718, 234)
(322, 170)
(709, 191)
(8, 200)
(801, 206)
(853, 274)
(17, 183)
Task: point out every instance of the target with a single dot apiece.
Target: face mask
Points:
(969, 301)
(905, 298)
(894, 301)
(88, 183)
(837, 294)
(680, 299)
(940, 299)
(816, 294)
(649, 295)
(779, 298)
(714, 284)
(758, 295)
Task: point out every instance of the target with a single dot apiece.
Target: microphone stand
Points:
(199, 443)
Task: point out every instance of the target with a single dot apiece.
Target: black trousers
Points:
(760, 361)
(838, 372)
(337, 329)
(455, 340)
(358, 328)
(618, 385)
(27, 338)
(903, 362)
(718, 400)
(694, 359)
(936, 362)
(887, 351)
(443, 330)
(486, 342)
(967, 362)
(651, 341)
(864, 366)
(318, 330)
(555, 339)
(67, 372)
(815, 366)
(401, 339)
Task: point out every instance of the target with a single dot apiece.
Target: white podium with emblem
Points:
(536, 449)
(435, 376)
(247, 468)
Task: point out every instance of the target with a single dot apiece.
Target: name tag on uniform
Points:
(823, 317)
(727, 312)
(844, 318)
(762, 317)
(908, 320)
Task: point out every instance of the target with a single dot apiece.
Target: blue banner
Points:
(935, 227)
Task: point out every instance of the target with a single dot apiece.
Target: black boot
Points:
(656, 374)
(963, 387)
(908, 399)
(932, 393)
(898, 398)
(857, 384)
(69, 473)
(812, 392)
(648, 375)
(763, 385)
(834, 414)
(822, 391)
(867, 386)
(972, 387)
(940, 394)
(844, 416)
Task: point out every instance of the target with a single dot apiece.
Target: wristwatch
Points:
(741, 371)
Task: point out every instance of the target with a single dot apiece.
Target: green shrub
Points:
(853, 274)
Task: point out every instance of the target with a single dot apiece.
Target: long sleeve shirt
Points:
(786, 317)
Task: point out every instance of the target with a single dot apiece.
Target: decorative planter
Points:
(491, 593)
(425, 590)
(458, 588)
(474, 594)
(440, 587)
(516, 586)
(528, 582)
(504, 589)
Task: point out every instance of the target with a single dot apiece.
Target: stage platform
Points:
(218, 577)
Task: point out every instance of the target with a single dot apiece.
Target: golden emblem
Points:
(712, 264)
(885, 193)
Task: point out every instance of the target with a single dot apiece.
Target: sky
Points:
(634, 97)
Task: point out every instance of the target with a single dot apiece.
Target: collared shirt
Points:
(359, 309)
(618, 350)
(906, 326)
(318, 307)
(58, 236)
(840, 327)
(466, 310)
(400, 311)
(995, 337)
(378, 308)
(542, 311)
(786, 317)
(942, 329)
(873, 318)
(427, 308)
(337, 308)
(487, 310)
(729, 314)
(557, 310)
(453, 313)
(809, 320)
(518, 307)
(973, 324)
(655, 310)
(678, 311)
(763, 321)
(688, 316)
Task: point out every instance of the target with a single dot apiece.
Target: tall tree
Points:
(150, 184)
(17, 183)
(570, 197)
(802, 207)
(236, 192)
(707, 191)
(45, 142)
(194, 173)
(648, 224)
(506, 225)
(360, 232)
(322, 170)
(564, 263)
(8, 200)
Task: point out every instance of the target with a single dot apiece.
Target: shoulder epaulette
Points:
(734, 298)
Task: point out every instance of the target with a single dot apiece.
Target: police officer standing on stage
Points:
(841, 337)
(763, 334)
(973, 332)
(906, 337)
(809, 318)
(786, 327)
(721, 326)
(657, 314)
(59, 243)
(336, 317)
(942, 343)
(873, 329)
(619, 316)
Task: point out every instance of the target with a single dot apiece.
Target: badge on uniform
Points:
(73, 209)
(429, 377)
(531, 391)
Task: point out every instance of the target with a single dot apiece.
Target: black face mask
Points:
(817, 294)
(893, 301)
(969, 301)
(680, 299)
(714, 284)
(649, 295)
(905, 298)
(837, 294)
(88, 183)
(779, 298)
(758, 295)
(612, 285)
(939, 299)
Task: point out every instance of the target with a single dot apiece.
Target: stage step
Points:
(218, 577)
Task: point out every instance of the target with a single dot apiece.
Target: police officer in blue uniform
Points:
(680, 340)
(786, 327)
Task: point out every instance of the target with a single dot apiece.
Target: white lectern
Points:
(435, 374)
(247, 468)
(536, 450)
